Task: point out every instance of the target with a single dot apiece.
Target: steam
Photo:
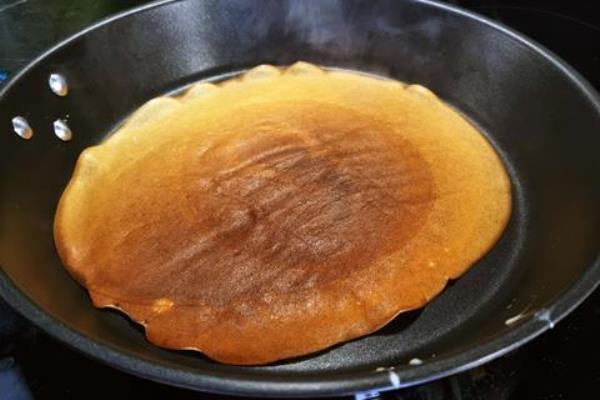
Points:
(323, 25)
(364, 35)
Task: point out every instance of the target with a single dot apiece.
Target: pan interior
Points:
(417, 334)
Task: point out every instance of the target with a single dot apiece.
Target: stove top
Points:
(562, 364)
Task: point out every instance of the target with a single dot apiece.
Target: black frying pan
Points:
(541, 115)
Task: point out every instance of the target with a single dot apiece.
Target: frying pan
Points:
(543, 118)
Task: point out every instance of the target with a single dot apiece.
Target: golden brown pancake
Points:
(279, 213)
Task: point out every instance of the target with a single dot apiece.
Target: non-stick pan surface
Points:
(542, 116)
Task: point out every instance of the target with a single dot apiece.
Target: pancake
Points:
(280, 212)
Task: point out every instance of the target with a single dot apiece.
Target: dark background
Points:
(562, 364)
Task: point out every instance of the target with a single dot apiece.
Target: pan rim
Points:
(336, 383)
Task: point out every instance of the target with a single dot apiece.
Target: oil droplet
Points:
(415, 361)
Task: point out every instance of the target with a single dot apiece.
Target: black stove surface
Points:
(562, 364)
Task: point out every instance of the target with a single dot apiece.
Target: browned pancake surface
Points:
(278, 214)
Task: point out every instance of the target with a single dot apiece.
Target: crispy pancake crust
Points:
(279, 213)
